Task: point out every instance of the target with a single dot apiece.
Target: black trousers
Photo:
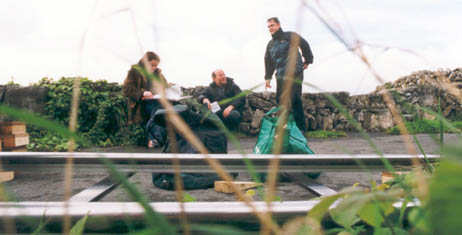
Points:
(295, 99)
(152, 130)
(232, 120)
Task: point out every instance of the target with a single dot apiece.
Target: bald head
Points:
(219, 77)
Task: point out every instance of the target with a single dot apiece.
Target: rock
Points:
(256, 119)
(31, 98)
(244, 127)
(385, 120)
(258, 102)
(247, 115)
(254, 132)
(327, 123)
(311, 122)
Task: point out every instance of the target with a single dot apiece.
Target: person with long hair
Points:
(139, 88)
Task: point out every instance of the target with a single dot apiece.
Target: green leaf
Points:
(217, 229)
(345, 213)
(79, 227)
(371, 212)
(388, 231)
(445, 204)
(188, 197)
(318, 211)
(419, 220)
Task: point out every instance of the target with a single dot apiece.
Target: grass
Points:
(325, 134)
(425, 126)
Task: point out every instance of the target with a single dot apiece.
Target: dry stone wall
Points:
(422, 88)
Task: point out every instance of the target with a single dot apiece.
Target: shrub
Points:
(102, 118)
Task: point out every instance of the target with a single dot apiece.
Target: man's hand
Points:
(207, 101)
(305, 66)
(227, 111)
(147, 95)
(267, 84)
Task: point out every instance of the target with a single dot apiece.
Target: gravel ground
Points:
(48, 186)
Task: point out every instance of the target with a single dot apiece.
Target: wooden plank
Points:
(9, 128)
(225, 187)
(98, 190)
(10, 141)
(6, 176)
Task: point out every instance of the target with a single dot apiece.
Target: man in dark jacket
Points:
(222, 88)
(283, 55)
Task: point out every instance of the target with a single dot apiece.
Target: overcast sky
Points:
(43, 39)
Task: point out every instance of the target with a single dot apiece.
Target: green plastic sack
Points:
(293, 142)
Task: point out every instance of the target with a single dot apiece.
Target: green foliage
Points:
(325, 134)
(102, 118)
(188, 197)
(78, 228)
(425, 126)
(445, 203)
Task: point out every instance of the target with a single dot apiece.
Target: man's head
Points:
(273, 25)
(219, 77)
(150, 61)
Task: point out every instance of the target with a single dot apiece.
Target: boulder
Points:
(256, 119)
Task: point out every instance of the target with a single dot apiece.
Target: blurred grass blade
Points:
(427, 162)
(41, 225)
(441, 123)
(79, 227)
(156, 222)
(36, 120)
(217, 229)
(241, 94)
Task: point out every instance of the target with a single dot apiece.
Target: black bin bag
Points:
(203, 124)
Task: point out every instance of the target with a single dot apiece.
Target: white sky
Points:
(43, 39)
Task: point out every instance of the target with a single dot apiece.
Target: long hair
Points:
(150, 56)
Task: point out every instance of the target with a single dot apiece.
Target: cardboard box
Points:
(10, 141)
(11, 128)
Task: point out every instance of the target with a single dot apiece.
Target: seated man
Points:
(222, 88)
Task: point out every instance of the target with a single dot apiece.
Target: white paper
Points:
(215, 107)
(172, 93)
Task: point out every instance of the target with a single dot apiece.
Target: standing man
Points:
(283, 55)
(222, 88)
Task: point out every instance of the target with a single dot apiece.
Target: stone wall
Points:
(31, 98)
(423, 88)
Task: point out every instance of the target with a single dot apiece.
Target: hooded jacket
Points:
(216, 93)
(135, 85)
(277, 54)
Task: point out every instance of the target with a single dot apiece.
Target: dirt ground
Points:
(49, 186)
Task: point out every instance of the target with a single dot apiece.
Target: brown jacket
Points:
(135, 85)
